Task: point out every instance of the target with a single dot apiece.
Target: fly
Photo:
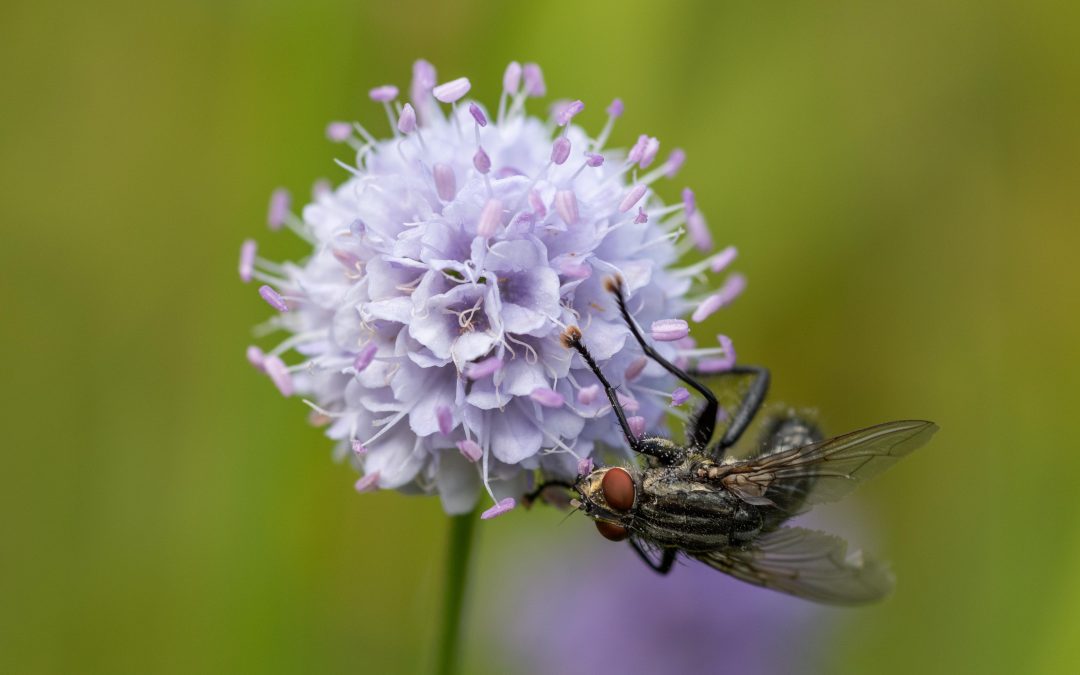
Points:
(730, 513)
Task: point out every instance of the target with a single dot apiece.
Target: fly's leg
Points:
(666, 561)
(528, 499)
(747, 409)
(571, 338)
(705, 422)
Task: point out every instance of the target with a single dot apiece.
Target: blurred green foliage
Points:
(900, 178)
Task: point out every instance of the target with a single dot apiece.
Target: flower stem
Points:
(462, 530)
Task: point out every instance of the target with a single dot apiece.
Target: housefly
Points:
(730, 513)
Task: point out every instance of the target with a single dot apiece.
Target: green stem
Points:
(462, 531)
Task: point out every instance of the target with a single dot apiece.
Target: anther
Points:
(534, 80)
(549, 398)
(247, 260)
(669, 330)
(384, 94)
(273, 298)
(368, 482)
(339, 132)
(470, 450)
(279, 208)
(566, 206)
(451, 91)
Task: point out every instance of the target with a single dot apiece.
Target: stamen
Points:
(560, 150)
(279, 208)
(641, 216)
(470, 450)
(482, 369)
(321, 188)
(674, 162)
(637, 425)
(365, 356)
(256, 357)
(679, 396)
(594, 159)
(445, 183)
(512, 77)
(490, 218)
(652, 147)
(631, 198)
(358, 448)
(688, 200)
(638, 150)
(726, 362)
(707, 308)
(732, 288)
(368, 482)
(339, 132)
(614, 111)
(534, 80)
(500, 508)
(629, 403)
(452, 91)
(537, 205)
(549, 398)
(478, 114)
(585, 466)
(635, 368)
(587, 395)
(566, 206)
(574, 269)
(481, 161)
(384, 94)
(722, 259)
(445, 419)
(273, 298)
(699, 231)
(568, 112)
(247, 260)
(406, 123)
(669, 330)
(279, 374)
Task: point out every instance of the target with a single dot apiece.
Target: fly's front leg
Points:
(666, 560)
(571, 338)
(662, 449)
(528, 499)
(705, 423)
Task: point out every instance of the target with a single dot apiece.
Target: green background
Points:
(900, 179)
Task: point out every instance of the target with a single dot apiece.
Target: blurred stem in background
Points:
(458, 552)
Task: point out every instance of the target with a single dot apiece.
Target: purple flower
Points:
(425, 322)
(594, 607)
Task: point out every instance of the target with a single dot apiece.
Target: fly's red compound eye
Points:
(618, 489)
(611, 531)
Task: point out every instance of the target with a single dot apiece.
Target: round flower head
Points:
(424, 326)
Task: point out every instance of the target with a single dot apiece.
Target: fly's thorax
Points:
(677, 510)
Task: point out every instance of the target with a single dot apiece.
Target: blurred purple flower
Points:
(609, 613)
(424, 325)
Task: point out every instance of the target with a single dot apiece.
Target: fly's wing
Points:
(807, 564)
(825, 471)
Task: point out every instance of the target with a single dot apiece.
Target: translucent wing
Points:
(807, 564)
(826, 471)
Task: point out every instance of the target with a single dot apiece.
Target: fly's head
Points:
(609, 496)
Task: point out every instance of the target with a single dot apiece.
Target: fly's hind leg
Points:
(667, 559)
